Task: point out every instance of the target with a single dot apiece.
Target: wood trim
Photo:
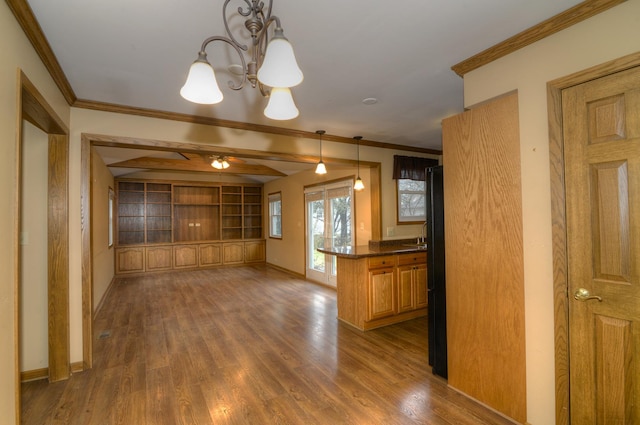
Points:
(77, 367)
(104, 297)
(375, 176)
(37, 111)
(197, 119)
(29, 24)
(34, 375)
(86, 252)
(558, 219)
(32, 106)
(195, 148)
(544, 29)
(58, 257)
(289, 272)
(17, 213)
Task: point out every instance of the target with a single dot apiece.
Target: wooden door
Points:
(602, 173)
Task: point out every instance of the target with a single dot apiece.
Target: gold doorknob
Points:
(583, 294)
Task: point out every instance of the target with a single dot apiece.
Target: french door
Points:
(329, 224)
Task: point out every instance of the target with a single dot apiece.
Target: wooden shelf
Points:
(160, 212)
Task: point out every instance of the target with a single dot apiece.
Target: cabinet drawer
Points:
(415, 258)
(384, 261)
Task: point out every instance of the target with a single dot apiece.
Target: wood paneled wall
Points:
(484, 262)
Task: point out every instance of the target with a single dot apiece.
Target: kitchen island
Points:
(380, 284)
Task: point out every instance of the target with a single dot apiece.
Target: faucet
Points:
(423, 233)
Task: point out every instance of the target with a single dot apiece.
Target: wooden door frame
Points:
(559, 222)
(32, 107)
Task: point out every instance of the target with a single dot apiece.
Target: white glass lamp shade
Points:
(358, 184)
(281, 106)
(320, 168)
(201, 86)
(280, 68)
(220, 163)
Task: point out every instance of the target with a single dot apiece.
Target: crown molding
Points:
(27, 20)
(556, 23)
(197, 119)
(30, 26)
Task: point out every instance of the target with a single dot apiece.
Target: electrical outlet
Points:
(391, 231)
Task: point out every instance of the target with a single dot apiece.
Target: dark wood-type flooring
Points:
(246, 345)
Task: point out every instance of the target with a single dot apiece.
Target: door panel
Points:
(602, 169)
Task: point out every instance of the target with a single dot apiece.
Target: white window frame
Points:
(274, 199)
(410, 219)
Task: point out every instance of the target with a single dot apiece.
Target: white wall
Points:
(34, 336)
(607, 36)
(103, 264)
(289, 252)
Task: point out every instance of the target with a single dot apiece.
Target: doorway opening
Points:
(34, 109)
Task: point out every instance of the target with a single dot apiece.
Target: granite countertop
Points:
(376, 248)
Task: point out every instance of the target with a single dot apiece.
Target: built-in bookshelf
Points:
(168, 225)
(159, 212)
(252, 212)
(131, 213)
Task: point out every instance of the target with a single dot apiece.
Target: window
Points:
(110, 213)
(275, 215)
(412, 206)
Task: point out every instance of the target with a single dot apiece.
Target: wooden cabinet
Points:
(196, 211)
(381, 294)
(232, 252)
(130, 260)
(254, 251)
(176, 225)
(210, 254)
(159, 258)
(412, 281)
(185, 256)
(381, 290)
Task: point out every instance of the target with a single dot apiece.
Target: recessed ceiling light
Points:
(370, 101)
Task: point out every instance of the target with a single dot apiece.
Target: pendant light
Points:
(358, 184)
(320, 168)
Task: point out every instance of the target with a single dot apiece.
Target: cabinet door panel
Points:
(185, 256)
(254, 251)
(210, 254)
(130, 260)
(159, 258)
(420, 288)
(381, 294)
(233, 253)
(405, 288)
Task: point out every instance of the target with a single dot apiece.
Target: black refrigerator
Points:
(436, 291)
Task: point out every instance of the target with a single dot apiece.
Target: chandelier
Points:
(271, 63)
(220, 162)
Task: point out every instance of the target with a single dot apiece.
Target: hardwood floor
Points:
(246, 345)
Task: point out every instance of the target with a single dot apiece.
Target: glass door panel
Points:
(329, 224)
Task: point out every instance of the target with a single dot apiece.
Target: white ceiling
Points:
(138, 52)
